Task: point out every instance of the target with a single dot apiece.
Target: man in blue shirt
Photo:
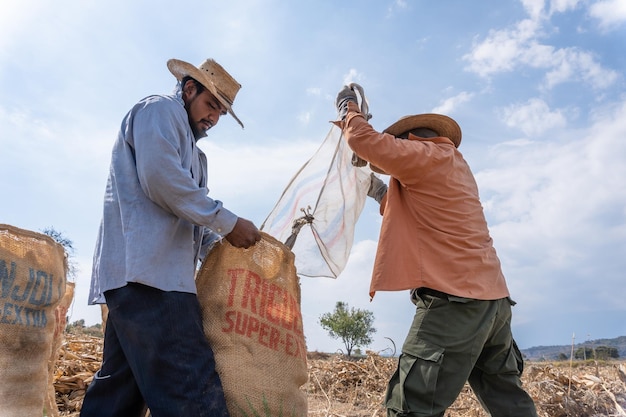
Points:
(158, 223)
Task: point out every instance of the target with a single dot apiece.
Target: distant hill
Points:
(550, 353)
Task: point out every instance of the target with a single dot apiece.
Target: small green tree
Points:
(583, 352)
(606, 352)
(352, 326)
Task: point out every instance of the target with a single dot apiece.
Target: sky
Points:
(538, 88)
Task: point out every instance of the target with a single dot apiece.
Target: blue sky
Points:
(537, 86)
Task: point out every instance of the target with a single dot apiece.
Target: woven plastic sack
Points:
(250, 300)
(32, 284)
(331, 191)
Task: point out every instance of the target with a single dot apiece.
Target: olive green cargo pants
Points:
(453, 340)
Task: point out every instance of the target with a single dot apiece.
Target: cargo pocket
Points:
(508, 362)
(412, 388)
(519, 359)
(514, 363)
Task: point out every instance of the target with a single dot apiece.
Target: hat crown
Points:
(224, 83)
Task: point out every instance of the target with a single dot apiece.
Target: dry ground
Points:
(355, 388)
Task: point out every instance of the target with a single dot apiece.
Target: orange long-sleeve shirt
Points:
(434, 233)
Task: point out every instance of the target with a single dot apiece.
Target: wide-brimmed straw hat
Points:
(212, 76)
(440, 124)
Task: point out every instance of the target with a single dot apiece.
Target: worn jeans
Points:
(156, 356)
(455, 340)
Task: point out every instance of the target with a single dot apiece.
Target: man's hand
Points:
(244, 234)
(377, 189)
(357, 161)
(345, 96)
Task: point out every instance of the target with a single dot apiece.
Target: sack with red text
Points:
(250, 300)
(32, 284)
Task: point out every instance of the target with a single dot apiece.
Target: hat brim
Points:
(442, 125)
(181, 69)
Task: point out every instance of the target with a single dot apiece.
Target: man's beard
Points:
(197, 133)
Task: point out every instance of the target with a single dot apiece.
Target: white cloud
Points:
(304, 117)
(574, 65)
(610, 13)
(558, 207)
(421, 42)
(538, 9)
(560, 6)
(502, 50)
(353, 76)
(509, 49)
(22, 120)
(534, 7)
(448, 105)
(397, 5)
(314, 91)
(533, 117)
(401, 4)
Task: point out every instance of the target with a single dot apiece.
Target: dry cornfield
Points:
(344, 387)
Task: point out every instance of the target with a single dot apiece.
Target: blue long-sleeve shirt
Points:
(158, 219)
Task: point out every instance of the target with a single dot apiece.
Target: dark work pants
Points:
(452, 341)
(156, 356)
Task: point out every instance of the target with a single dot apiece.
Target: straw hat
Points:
(211, 75)
(440, 124)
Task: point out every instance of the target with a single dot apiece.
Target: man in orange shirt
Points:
(434, 241)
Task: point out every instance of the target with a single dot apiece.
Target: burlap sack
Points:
(32, 283)
(250, 301)
(104, 312)
(60, 314)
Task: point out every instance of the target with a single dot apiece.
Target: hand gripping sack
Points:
(250, 300)
(32, 284)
